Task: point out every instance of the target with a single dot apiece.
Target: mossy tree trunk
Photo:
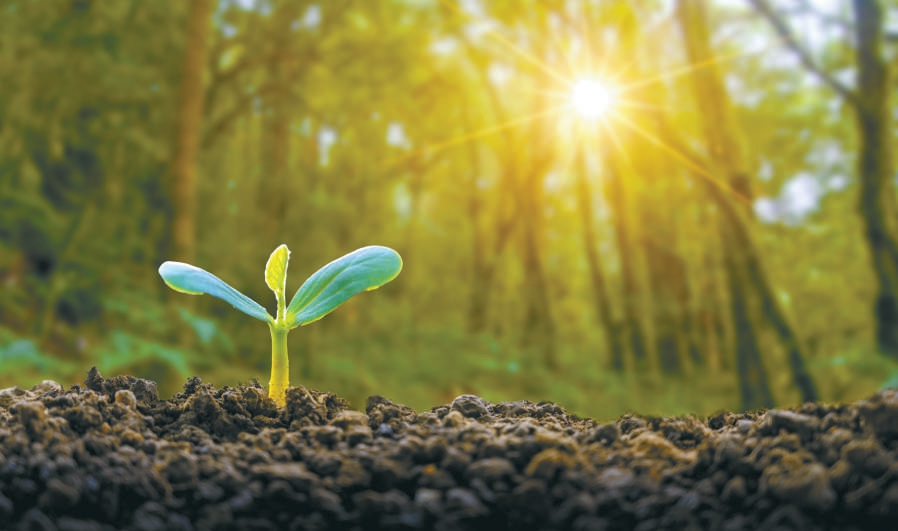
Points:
(876, 167)
(746, 276)
(539, 330)
(189, 130)
(492, 224)
(667, 276)
(631, 325)
(598, 284)
(662, 200)
(870, 99)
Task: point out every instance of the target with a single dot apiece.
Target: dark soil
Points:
(110, 455)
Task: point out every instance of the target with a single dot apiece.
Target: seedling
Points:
(361, 270)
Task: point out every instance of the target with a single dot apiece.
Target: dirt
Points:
(109, 454)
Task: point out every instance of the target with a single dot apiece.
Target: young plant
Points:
(361, 270)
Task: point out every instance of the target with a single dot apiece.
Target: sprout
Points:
(361, 270)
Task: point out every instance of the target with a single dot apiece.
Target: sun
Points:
(591, 98)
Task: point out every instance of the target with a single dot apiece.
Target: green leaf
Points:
(192, 280)
(276, 269)
(276, 274)
(361, 270)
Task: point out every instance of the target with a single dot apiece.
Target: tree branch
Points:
(221, 78)
(224, 121)
(785, 33)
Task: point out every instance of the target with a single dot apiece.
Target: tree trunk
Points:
(632, 329)
(623, 192)
(871, 101)
(667, 274)
(484, 257)
(274, 186)
(754, 390)
(876, 169)
(486, 253)
(715, 331)
(596, 276)
(539, 324)
(746, 275)
(666, 270)
(481, 271)
(187, 135)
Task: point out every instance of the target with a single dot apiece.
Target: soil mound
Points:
(110, 455)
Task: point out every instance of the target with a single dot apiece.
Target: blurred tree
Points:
(623, 203)
(188, 132)
(871, 100)
(600, 295)
(523, 174)
(747, 277)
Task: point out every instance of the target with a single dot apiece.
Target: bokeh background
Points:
(717, 232)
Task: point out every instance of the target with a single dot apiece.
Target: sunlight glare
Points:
(591, 98)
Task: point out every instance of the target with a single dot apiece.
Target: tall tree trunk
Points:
(479, 301)
(716, 329)
(539, 324)
(481, 270)
(486, 253)
(483, 256)
(665, 268)
(274, 186)
(596, 276)
(754, 389)
(746, 276)
(667, 274)
(876, 167)
(625, 177)
(632, 329)
(189, 128)
(484, 259)
(877, 204)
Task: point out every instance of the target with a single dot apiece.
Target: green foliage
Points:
(125, 351)
(363, 269)
(207, 330)
(192, 280)
(23, 354)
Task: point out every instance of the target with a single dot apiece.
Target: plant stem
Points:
(280, 365)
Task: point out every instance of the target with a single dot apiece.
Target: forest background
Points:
(723, 236)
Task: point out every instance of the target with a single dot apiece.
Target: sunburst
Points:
(592, 98)
(591, 95)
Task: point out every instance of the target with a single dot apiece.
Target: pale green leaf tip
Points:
(276, 268)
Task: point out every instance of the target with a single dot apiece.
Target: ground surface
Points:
(110, 455)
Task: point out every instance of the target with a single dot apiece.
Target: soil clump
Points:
(109, 454)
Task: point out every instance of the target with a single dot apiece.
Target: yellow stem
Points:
(280, 365)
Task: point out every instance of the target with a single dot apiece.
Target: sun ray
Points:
(596, 66)
(514, 48)
(633, 104)
(684, 70)
(605, 51)
(611, 133)
(565, 51)
(687, 161)
(433, 147)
